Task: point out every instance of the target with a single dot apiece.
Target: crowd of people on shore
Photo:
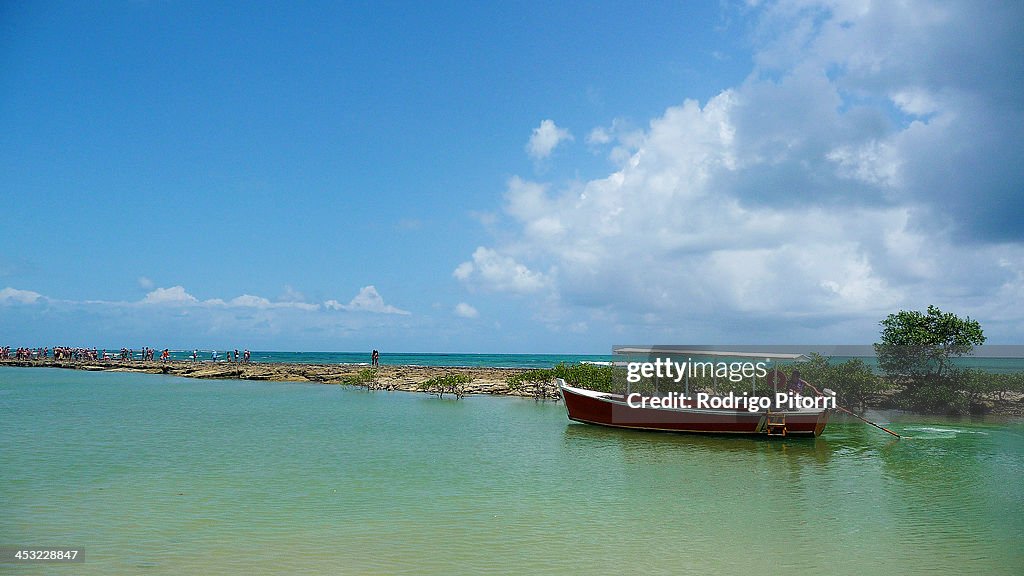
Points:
(59, 353)
(147, 354)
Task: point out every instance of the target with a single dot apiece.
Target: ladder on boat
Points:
(775, 425)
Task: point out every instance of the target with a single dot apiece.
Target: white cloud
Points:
(168, 297)
(175, 317)
(599, 135)
(259, 302)
(248, 300)
(466, 311)
(292, 295)
(825, 189)
(464, 271)
(14, 296)
(177, 295)
(936, 85)
(367, 300)
(500, 272)
(172, 295)
(145, 283)
(875, 163)
(545, 138)
(915, 101)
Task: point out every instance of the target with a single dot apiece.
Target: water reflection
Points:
(659, 447)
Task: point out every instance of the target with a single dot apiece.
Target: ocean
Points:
(153, 474)
(528, 361)
(997, 364)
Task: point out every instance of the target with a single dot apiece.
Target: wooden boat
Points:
(613, 410)
(683, 413)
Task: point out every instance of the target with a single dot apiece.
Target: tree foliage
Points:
(853, 381)
(918, 350)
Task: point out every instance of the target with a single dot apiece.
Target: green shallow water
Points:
(164, 475)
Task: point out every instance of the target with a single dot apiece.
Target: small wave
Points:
(940, 432)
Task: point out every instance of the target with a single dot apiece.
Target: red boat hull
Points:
(613, 410)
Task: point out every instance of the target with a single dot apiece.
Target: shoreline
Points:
(484, 380)
(392, 377)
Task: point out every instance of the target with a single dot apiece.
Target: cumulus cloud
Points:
(172, 295)
(599, 135)
(874, 163)
(250, 301)
(14, 296)
(367, 300)
(464, 310)
(292, 295)
(837, 183)
(174, 316)
(545, 138)
(500, 272)
(921, 96)
(178, 296)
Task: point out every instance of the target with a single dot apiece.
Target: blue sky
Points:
(515, 177)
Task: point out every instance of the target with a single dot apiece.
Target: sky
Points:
(517, 177)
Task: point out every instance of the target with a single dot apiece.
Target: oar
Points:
(868, 421)
(852, 414)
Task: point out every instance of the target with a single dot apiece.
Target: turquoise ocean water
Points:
(992, 364)
(406, 358)
(153, 474)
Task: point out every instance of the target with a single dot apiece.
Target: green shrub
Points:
(449, 383)
(366, 377)
(853, 381)
(582, 375)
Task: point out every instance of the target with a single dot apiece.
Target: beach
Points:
(485, 380)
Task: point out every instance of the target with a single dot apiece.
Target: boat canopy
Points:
(685, 351)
